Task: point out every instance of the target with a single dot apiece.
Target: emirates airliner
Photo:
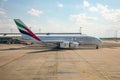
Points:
(59, 41)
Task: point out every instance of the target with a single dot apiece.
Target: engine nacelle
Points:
(74, 45)
(67, 44)
(64, 44)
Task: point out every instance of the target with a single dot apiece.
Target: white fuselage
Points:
(79, 39)
(66, 41)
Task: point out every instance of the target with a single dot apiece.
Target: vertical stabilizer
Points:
(24, 30)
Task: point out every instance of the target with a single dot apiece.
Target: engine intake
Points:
(74, 45)
(64, 44)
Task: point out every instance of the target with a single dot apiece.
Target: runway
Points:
(20, 62)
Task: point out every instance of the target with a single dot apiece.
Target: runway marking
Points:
(68, 72)
(56, 64)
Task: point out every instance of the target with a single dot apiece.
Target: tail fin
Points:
(24, 29)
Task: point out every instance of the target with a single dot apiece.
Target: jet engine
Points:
(64, 44)
(67, 44)
(74, 45)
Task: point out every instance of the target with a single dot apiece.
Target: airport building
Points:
(15, 38)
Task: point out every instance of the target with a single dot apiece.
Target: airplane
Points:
(58, 41)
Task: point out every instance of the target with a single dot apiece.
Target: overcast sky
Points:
(100, 18)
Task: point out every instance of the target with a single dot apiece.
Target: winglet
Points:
(25, 30)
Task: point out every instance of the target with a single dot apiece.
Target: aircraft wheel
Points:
(97, 47)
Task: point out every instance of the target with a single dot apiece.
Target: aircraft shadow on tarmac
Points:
(10, 49)
(24, 48)
(60, 49)
(46, 49)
